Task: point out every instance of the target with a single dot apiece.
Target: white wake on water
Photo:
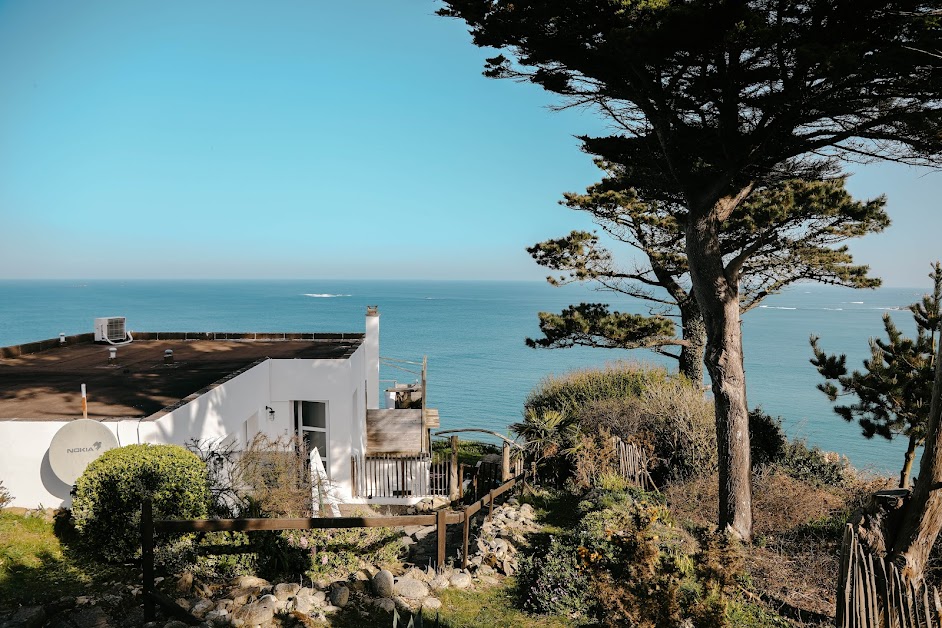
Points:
(325, 296)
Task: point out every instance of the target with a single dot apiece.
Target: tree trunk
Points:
(694, 332)
(908, 462)
(718, 298)
(923, 518)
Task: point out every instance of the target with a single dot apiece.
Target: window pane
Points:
(316, 439)
(314, 414)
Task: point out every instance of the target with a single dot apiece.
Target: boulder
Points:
(202, 607)
(386, 604)
(27, 617)
(438, 583)
(411, 589)
(185, 582)
(256, 613)
(286, 590)
(431, 603)
(249, 581)
(383, 584)
(93, 617)
(339, 595)
(461, 580)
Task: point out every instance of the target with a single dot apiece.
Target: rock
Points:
(176, 623)
(362, 575)
(383, 583)
(331, 609)
(225, 604)
(305, 603)
(461, 580)
(411, 588)
(319, 597)
(339, 596)
(386, 604)
(249, 581)
(185, 583)
(27, 617)
(438, 583)
(286, 590)
(416, 574)
(256, 613)
(507, 568)
(404, 604)
(183, 603)
(202, 607)
(489, 580)
(93, 617)
(431, 603)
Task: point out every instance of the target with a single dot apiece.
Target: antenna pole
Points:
(84, 403)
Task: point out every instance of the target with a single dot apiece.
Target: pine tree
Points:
(894, 390)
(712, 100)
(789, 236)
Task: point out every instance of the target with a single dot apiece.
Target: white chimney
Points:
(371, 344)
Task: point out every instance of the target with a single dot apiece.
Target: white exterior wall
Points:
(219, 413)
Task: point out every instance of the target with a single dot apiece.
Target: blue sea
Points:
(473, 333)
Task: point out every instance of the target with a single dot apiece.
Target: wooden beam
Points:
(242, 525)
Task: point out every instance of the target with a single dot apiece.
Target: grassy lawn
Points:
(482, 608)
(36, 566)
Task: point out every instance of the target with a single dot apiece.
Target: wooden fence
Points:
(871, 593)
(399, 475)
(633, 464)
(441, 519)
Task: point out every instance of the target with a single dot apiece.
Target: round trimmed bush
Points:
(109, 494)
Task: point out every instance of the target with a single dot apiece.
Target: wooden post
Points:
(505, 463)
(490, 504)
(441, 528)
(460, 481)
(466, 533)
(453, 470)
(147, 556)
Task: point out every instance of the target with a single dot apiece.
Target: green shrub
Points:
(5, 497)
(816, 467)
(550, 581)
(332, 553)
(575, 391)
(108, 495)
(669, 417)
(767, 439)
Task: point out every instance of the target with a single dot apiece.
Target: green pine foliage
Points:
(891, 395)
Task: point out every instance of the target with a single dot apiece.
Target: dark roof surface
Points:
(42, 381)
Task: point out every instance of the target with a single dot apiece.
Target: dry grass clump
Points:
(793, 561)
(670, 418)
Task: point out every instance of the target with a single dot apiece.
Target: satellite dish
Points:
(75, 445)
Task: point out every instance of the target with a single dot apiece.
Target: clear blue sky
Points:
(301, 139)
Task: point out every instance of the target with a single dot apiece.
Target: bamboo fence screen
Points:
(872, 594)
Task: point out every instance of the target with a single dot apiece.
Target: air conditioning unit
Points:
(110, 329)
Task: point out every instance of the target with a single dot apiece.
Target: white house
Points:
(171, 387)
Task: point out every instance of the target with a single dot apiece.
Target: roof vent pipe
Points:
(112, 355)
(168, 356)
(62, 338)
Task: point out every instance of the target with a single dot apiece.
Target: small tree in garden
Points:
(894, 390)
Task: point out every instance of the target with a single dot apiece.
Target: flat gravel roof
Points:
(42, 381)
